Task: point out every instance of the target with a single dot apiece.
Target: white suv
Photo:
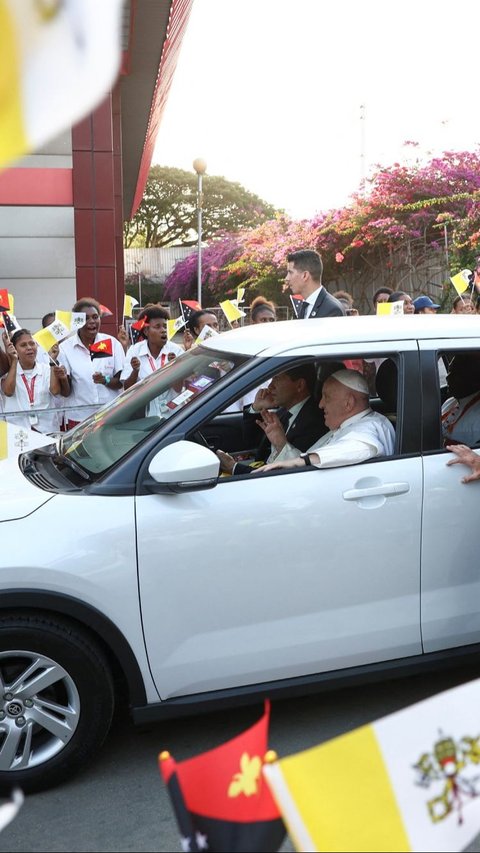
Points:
(130, 567)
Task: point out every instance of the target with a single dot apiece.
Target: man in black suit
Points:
(296, 418)
(304, 277)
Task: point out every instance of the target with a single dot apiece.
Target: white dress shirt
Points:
(37, 387)
(310, 300)
(361, 437)
(148, 363)
(75, 357)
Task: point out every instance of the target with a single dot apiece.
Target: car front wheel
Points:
(56, 700)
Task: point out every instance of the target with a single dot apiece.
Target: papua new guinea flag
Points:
(101, 349)
(220, 798)
(297, 303)
(188, 307)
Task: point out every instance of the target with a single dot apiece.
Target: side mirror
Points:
(184, 467)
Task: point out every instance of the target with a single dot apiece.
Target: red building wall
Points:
(98, 208)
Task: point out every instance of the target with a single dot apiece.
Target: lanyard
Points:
(30, 386)
(153, 363)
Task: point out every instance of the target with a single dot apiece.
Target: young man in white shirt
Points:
(357, 433)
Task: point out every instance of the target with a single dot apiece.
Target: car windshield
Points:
(104, 438)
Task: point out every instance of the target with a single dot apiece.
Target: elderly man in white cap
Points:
(356, 432)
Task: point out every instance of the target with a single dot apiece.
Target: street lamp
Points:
(200, 167)
(139, 274)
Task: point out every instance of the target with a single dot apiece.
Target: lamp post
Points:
(138, 264)
(200, 167)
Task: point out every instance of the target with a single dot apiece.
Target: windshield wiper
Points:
(57, 459)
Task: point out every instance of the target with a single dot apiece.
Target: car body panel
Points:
(233, 595)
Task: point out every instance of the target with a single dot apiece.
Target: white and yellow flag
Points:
(390, 308)
(232, 312)
(461, 281)
(58, 59)
(410, 781)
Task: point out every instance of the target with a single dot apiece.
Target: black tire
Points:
(51, 729)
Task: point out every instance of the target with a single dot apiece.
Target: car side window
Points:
(292, 411)
(459, 380)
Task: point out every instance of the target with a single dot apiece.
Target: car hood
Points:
(18, 496)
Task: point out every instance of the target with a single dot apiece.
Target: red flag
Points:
(220, 798)
(4, 301)
(297, 302)
(136, 329)
(101, 349)
(105, 312)
(188, 307)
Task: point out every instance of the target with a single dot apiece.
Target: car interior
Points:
(225, 431)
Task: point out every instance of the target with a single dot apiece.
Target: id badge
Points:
(32, 418)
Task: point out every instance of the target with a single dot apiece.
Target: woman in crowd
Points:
(463, 305)
(196, 323)
(149, 355)
(93, 381)
(262, 311)
(401, 296)
(30, 386)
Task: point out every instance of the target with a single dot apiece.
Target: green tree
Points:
(168, 212)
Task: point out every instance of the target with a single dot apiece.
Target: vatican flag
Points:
(58, 59)
(460, 281)
(410, 781)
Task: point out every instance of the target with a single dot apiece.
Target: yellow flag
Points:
(173, 326)
(128, 305)
(240, 294)
(11, 303)
(231, 311)
(408, 781)
(3, 440)
(460, 281)
(58, 59)
(384, 308)
(65, 317)
(45, 339)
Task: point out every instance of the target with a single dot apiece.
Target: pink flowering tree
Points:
(408, 216)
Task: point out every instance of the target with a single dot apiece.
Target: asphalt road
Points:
(119, 802)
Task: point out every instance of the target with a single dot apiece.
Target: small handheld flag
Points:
(51, 335)
(105, 312)
(231, 311)
(390, 308)
(101, 349)
(9, 323)
(461, 281)
(406, 782)
(188, 307)
(129, 304)
(136, 330)
(240, 294)
(297, 302)
(220, 800)
(4, 301)
(174, 326)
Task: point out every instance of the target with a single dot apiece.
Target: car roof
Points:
(273, 338)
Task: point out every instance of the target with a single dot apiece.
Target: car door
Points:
(281, 575)
(449, 575)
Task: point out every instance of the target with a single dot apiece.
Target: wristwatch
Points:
(306, 459)
(107, 380)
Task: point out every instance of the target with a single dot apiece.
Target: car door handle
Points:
(385, 489)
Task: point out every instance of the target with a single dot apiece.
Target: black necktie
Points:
(303, 311)
(284, 417)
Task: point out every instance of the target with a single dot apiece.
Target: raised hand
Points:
(273, 429)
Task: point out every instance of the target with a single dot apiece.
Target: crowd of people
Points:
(53, 391)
